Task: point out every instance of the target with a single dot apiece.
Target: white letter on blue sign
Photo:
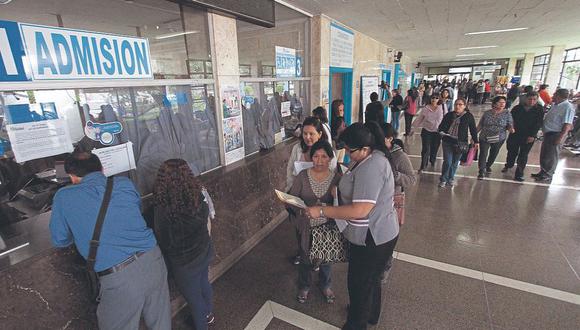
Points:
(6, 54)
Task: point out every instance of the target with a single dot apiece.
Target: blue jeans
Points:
(450, 162)
(193, 282)
(305, 276)
(395, 120)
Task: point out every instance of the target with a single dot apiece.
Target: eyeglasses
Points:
(434, 98)
(353, 150)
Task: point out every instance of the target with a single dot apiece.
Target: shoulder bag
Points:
(328, 245)
(92, 277)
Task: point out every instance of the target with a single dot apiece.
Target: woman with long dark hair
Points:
(366, 203)
(181, 217)
(430, 118)
(337, 123)
(410, 110)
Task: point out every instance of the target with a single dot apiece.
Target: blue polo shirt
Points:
(74, 214)
(560, 114)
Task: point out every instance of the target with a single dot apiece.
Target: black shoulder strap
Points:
(94, 243)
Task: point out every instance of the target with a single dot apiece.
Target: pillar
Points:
(511, 69)
(554, 67)
(527, 69)
(320, 62)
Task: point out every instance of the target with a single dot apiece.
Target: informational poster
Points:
(285, 62)
(341, 46)
(103, 132)
(369, 85)
(39, 139)
(285, 109)
(116, 159)
(231, 101)
(233, 139)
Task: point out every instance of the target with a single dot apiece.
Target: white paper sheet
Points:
(39, 139)
(300, 166)
(116, 159)
(289, 199)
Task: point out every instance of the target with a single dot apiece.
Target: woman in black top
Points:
(337, 123)
(396, 105)
(454, 129)
(181, 216)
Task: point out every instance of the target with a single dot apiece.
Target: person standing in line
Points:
(544, 94)
(366, 198)
(493, 125)
(430, 118)
(410, 110)
(557, 123)
(446, 102)
(455, 128)
(528, 119)
(374, 111)
(337, 124)
(396, 107)
(129, 263)
(320, 113)
(315, 186)
(181, 227)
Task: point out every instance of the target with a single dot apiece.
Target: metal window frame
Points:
(564, 62)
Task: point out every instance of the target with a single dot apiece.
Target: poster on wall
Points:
(369, 85)
(233, 139)
(116, 159)
(231, 101)
(285, 109)
(285, 62)
(39, 139)
(341, 46)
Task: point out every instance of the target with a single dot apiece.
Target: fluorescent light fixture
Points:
(467, 55)
(495, 31)
(177, 34)
(477, 47)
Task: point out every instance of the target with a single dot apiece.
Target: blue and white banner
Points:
(285, 62)
(51, 53)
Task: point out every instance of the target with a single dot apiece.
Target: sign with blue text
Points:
(35, 52)
(285, 62)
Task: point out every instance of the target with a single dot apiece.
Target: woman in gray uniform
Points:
(366, 198)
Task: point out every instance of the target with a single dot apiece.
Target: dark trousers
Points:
(366, 265)
(486, 161)
(518, 149)
(430, 142)
(485, 97)
(408, 122)
(549, 153)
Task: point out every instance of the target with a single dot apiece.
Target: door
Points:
(340, 87)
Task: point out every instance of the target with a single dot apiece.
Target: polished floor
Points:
(491, 254)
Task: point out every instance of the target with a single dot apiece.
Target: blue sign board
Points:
(11, 53)
(285, 62)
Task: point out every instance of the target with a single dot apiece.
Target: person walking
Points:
(410, 110)
(445, 101)
(512, 95)
(557, 123)
(374, 111)
(480, 88)
(430, 118)
(487, 91)
(181, 227)
(455, 128)
(545, 94)
(366, 203)
(396, 107)
(129, 264)
(493, 125)
(527, 119)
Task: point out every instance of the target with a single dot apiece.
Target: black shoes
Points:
(505, 169)
(488, 170)
(519, 179)
(480, 176)
(537, 175)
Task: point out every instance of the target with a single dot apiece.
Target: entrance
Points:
(340, 87)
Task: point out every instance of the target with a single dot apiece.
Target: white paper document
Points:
(39, 139)
(300, 166)
(116, 159)
(289, 199)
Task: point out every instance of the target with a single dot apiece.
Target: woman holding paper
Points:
(315, 186)
(366, 198)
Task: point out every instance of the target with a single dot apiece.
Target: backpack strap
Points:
(94, 243)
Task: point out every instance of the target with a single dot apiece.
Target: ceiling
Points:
(434, 30)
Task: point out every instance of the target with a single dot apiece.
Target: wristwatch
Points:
(321, 213)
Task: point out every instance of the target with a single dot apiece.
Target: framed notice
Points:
(341, 47)
(369, 84)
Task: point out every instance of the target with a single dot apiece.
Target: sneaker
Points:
(480, 176)
(505, 169)
(519, 179)
(488, 170)
(442, 184)
(296, 260)
(537, 175)
(210, 319)
(450, 183)
(544, 178)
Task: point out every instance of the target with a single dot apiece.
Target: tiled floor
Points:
(529, 233)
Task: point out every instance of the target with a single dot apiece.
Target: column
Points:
(320, 61)
(511, 69)
(554, 67)
(527, 69)
(226, 72)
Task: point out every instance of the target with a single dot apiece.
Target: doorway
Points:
(340, 87)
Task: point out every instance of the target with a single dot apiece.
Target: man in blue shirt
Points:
(557, 123)
(129, 263)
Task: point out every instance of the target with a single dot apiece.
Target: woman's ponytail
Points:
(378, 137)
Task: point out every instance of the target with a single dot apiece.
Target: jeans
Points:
(484, 148)
(549, 153)
(305, 276)
(366, 265)
(408, 122)
(450, 162)
(395, 120)
(193, 282)
(140, 289)
(518, 148)
(430, 142)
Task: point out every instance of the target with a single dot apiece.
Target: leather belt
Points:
(120, 266)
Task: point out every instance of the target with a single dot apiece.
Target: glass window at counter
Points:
(178, 35)
(570, 76)
(257, 45)
(271, 111)
(162, 122)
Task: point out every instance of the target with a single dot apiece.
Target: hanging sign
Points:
(104, 133)
(36, 52)
(341, 46)
(369, 85)
(285, 62)
(39, 139)
(116, 159)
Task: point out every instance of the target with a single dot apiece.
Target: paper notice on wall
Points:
(285, 109)
(39, 139)
(116, 159)
(341, 47)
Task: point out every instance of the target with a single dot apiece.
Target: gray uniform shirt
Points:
(371, 181)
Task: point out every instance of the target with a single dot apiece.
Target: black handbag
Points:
(94, 285)
(327, 244)
(462, 147)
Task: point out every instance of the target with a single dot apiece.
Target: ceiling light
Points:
(171, 35)
(495, 31)
(477, 47)
(466, 55)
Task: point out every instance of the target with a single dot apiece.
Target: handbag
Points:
(461, 147)
(492, 139)
(469, 157)
(92, 277)
(399, 203)
(327, 245)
